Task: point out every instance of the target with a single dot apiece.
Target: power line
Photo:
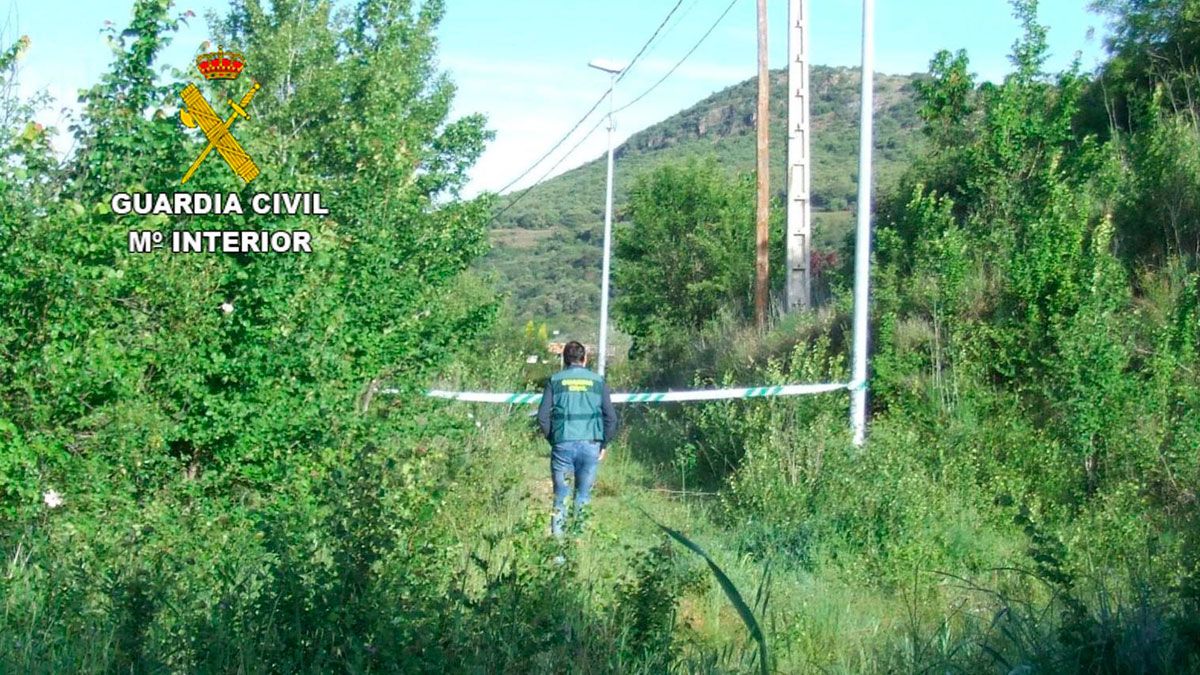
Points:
(591, 131)
(680, 61)
(554, 147)
(562, 159)
(647, 44)
(595, 105)
(679, 18)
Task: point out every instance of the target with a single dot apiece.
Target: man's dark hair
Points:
(573, 353)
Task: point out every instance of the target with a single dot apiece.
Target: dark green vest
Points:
(577, 414)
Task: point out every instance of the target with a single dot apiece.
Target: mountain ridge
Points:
(546, 252)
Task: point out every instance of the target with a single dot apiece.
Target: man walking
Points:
(578, 419)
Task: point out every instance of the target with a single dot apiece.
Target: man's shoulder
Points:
(577, 379)
(577, 371)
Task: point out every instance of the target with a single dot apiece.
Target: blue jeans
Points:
(580, 458)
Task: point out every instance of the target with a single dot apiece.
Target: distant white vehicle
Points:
(532, 358)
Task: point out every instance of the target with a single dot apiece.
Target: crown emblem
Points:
(220, 65)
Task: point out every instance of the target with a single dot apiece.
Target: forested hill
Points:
(546, 248)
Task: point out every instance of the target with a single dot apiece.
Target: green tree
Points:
(1148, 93)
(1007, 254)
(157, 386)
(353, 107)
(1154, 46)
(947, 98)
(688, 251)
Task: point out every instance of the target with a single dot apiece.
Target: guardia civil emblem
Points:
(219, 65)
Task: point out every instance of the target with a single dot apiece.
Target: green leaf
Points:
(728, 586)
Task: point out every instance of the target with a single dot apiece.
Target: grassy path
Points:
(816, 622)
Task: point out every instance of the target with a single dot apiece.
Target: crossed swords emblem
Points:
(198, 112)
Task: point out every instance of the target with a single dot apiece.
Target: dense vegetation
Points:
(561, 220)
(232, 489)
(1029, 484)
(199, 471)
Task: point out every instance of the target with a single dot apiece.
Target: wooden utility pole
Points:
(764, 84)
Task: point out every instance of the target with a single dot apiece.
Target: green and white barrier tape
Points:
(650, 397)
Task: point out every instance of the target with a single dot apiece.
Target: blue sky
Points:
(523, 63)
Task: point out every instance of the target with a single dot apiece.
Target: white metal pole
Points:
(862, 244)
(608, 207)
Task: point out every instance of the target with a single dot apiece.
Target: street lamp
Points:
(862, 240)
(613, 70)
